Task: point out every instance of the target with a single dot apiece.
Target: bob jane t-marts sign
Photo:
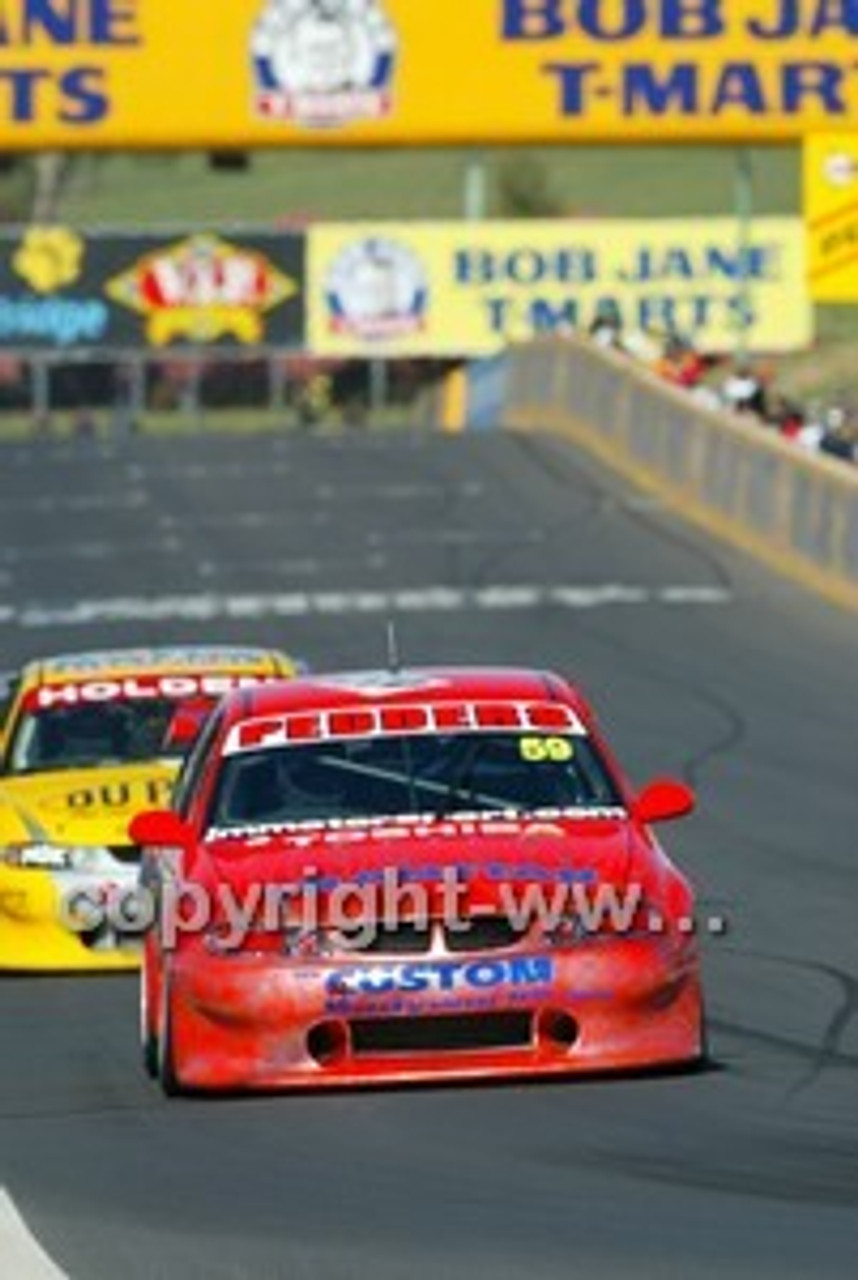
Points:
(146, 73)
(468, 289)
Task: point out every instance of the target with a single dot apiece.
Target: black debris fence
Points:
(98, 393)
(126, 392)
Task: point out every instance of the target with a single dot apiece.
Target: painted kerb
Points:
(796, 512)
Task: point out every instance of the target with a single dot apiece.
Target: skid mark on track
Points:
(733, 730)
(828, 1051)
(640, 508)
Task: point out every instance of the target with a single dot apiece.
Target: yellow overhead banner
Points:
(241, 73)
(831, 210)
(467, 289)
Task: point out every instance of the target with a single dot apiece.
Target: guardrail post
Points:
(40, 388)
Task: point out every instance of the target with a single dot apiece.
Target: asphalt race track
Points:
(488, 549)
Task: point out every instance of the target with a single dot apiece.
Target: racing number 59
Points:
(535, 750)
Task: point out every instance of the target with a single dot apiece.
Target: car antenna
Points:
(394, 666)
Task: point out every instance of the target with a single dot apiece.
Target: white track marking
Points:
(296, 604)
(78, 502)
(167, 543)
(21, 1255)
(397, 491)
(287, 569)
(152, 470)
(456, 537)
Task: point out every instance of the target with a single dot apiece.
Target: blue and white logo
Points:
(441, 975)
(376, 289)
(324, 63)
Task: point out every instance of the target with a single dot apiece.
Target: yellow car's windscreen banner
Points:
(831, 209)
(235, 73)
(468, 289)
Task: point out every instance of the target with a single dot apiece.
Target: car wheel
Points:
(167, 1073)
(148, 1038)
(149, 1052)
(705, 1058)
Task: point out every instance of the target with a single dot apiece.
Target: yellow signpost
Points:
(411, 289)
(246, 73)
(831, 207)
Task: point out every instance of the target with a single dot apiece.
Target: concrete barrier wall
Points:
(797, 512)
(470, 397)
(487, 386)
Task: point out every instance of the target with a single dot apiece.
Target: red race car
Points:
(411, 876)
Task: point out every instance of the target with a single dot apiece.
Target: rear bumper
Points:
(254, 1023)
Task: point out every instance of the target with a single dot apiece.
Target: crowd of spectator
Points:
(736, 387)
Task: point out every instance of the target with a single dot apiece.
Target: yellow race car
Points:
(86, 741)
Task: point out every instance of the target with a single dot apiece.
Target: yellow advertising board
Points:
(831, 210)
(453, 289)
(241, 73)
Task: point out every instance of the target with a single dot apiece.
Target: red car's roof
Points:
(425, 685)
